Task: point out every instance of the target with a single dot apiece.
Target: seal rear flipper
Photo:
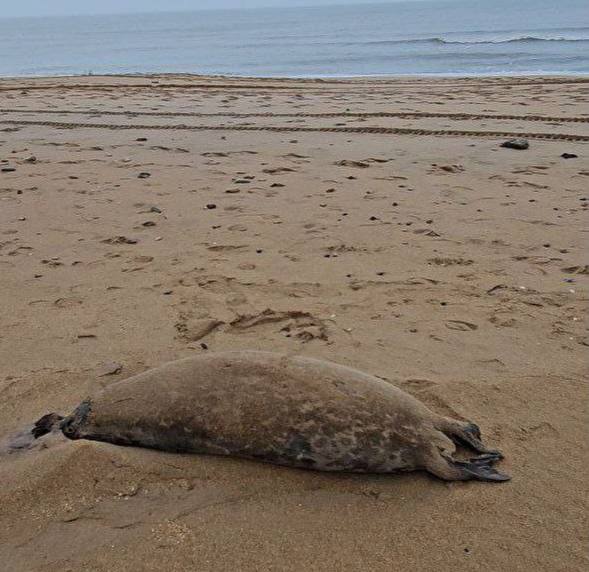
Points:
(478, 468)
(482, 471)
(466, 434)
(486, 459)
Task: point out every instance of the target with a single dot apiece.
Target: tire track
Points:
(376, 114)
(288, 129)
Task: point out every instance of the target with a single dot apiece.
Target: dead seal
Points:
(293, 411)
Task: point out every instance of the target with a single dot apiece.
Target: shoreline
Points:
(376, 77)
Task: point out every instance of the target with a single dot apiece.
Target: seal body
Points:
(292, 411)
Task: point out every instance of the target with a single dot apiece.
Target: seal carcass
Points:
(286, 410)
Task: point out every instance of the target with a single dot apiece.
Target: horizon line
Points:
(335, 3)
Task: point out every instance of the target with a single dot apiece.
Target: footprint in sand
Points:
(298, 324)
(193, 330)
(414, 385)
(461, 326)
(350, 163)
(576, 269)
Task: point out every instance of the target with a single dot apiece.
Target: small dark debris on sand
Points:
(519, 144)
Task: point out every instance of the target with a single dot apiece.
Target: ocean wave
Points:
(519, 39)
(478, 42)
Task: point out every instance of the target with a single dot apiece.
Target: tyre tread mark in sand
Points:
(400, 114)
(285, 129)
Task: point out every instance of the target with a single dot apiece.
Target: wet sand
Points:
(375, 223)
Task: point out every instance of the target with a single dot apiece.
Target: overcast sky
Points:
(12, 8)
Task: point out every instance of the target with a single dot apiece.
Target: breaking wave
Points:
(485, 41)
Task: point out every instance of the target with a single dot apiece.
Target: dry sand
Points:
(443, 263)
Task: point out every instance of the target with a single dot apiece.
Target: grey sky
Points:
(63, 7)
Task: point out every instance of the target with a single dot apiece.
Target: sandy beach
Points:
(375, 223)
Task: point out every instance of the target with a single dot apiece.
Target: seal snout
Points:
(46, 425)
(70, 426)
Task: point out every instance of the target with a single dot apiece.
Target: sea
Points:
(429, 37)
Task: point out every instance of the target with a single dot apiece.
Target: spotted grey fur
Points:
(293, 411)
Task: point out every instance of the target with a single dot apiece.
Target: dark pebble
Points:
(519, 144)
(144, 175)
(569, 156)
(211, 206)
